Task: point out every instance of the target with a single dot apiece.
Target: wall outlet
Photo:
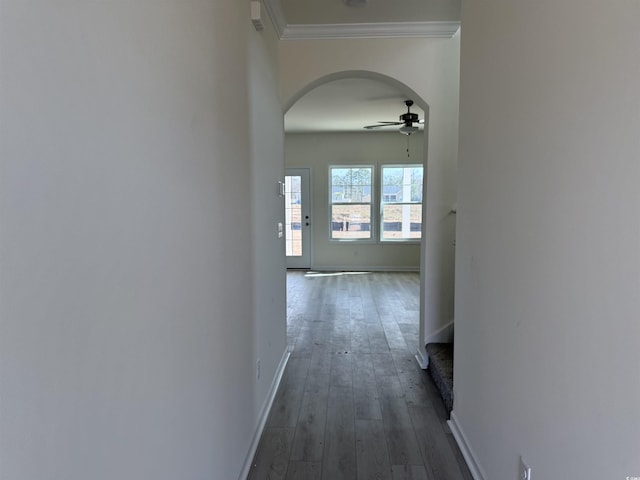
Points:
(525, 470)
(258, 369)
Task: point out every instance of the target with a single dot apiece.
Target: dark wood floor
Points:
(353, 403)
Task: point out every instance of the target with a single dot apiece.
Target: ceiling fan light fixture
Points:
(408, 129)
(355, 3)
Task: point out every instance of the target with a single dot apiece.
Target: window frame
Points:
(372, 214)
(383, 203)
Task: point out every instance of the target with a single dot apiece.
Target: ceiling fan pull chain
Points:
(408, 137)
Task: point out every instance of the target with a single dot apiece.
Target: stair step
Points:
(441, 370)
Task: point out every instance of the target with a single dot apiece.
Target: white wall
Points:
(430, 68)
(318, 151)
(127, 304)
(267, 168)
(547, 266)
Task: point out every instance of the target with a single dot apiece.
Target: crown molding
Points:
(371, 30)
(274, 9)
(356, 30)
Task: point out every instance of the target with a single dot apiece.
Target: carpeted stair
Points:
(441, 370)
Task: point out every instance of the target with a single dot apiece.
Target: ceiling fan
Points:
(407, 120)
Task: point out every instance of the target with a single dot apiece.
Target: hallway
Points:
(353, 403)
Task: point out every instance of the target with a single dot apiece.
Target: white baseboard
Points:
(465, 448)
(264, 414)
(423, 360)
(363, 268)
(443, 335)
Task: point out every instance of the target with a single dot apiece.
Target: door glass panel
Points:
(293, 215)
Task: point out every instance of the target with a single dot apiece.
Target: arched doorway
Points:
(336, 108)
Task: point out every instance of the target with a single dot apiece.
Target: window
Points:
(401, 203)
(350, 197)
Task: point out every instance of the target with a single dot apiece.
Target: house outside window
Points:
(401, 203)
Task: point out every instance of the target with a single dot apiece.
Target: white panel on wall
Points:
(126, 290)
(547, 265)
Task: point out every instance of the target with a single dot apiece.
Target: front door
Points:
(297, 217)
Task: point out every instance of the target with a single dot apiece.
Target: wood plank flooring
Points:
(353, 403)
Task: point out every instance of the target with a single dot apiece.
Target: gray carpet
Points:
(441, 370)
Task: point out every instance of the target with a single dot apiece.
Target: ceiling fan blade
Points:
(383, 124)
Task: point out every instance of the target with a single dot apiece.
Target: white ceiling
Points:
(348, 105)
